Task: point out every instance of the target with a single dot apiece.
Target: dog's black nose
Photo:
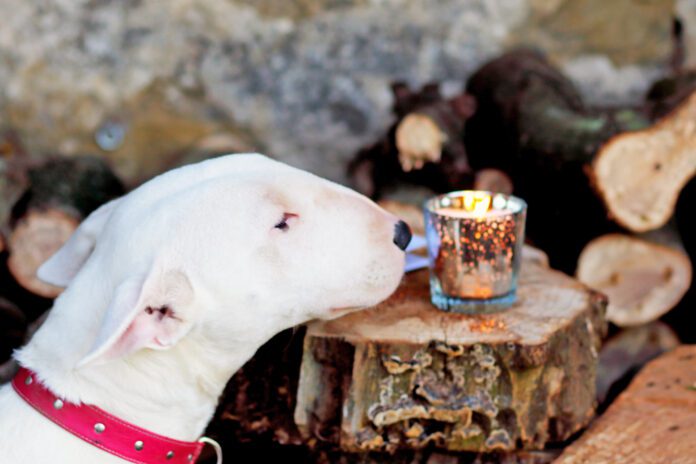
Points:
(402, 234)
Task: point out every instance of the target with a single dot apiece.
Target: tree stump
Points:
(653, 421)
(404, 374)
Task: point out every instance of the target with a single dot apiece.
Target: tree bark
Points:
(405, 375)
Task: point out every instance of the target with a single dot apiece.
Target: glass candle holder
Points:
(474, 246)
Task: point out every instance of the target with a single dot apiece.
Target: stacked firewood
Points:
(602, 183)
(42, 204)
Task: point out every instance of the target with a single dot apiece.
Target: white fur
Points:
(199, 240)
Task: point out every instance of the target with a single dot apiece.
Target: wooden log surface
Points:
(639, 175)
(424, 146)
(34, 239)
(653, 421)
(643, 279)
(585, 171)
(60, 193)
(404, 374)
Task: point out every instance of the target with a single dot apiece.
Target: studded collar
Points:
(103, 430)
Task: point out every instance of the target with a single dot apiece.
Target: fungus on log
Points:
(654, 420)
(643, 279)
(61, 193)
(425, 146)
(405, 375)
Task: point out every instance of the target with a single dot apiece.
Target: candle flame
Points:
(476, 202)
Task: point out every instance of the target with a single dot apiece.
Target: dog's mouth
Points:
(346, 308)
(338, 312)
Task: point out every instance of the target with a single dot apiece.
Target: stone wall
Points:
(151, 84)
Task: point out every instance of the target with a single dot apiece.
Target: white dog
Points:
(173, 287)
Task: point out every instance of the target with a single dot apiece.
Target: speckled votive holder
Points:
(474, 245)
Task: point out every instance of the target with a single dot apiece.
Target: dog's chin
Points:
(335, 313)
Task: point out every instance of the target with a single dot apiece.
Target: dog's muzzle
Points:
(402, 235)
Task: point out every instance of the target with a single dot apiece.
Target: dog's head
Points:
(231, 250)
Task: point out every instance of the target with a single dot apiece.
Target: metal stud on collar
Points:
(139, 445)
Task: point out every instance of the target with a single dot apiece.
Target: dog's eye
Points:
(283, 224)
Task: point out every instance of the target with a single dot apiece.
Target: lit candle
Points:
(474, 245)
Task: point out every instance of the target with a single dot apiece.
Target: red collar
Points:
(101, 429)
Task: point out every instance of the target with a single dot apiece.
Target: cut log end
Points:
(419, 140)
(36, 237)
(643, 280)
(639, 174)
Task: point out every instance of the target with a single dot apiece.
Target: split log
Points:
(424, 146)
(570, 162)
(405, 375)
(61, 193)
(639, 175)
(653, 421)
(628, 351)
(643, 279)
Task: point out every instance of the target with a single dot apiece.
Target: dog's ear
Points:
(145, 312)
(60, 268)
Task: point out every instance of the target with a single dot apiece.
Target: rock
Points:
(305, 81)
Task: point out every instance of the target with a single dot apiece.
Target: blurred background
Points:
(97, 96)
(152, 84)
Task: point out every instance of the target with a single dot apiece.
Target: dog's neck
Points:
(172, 392)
